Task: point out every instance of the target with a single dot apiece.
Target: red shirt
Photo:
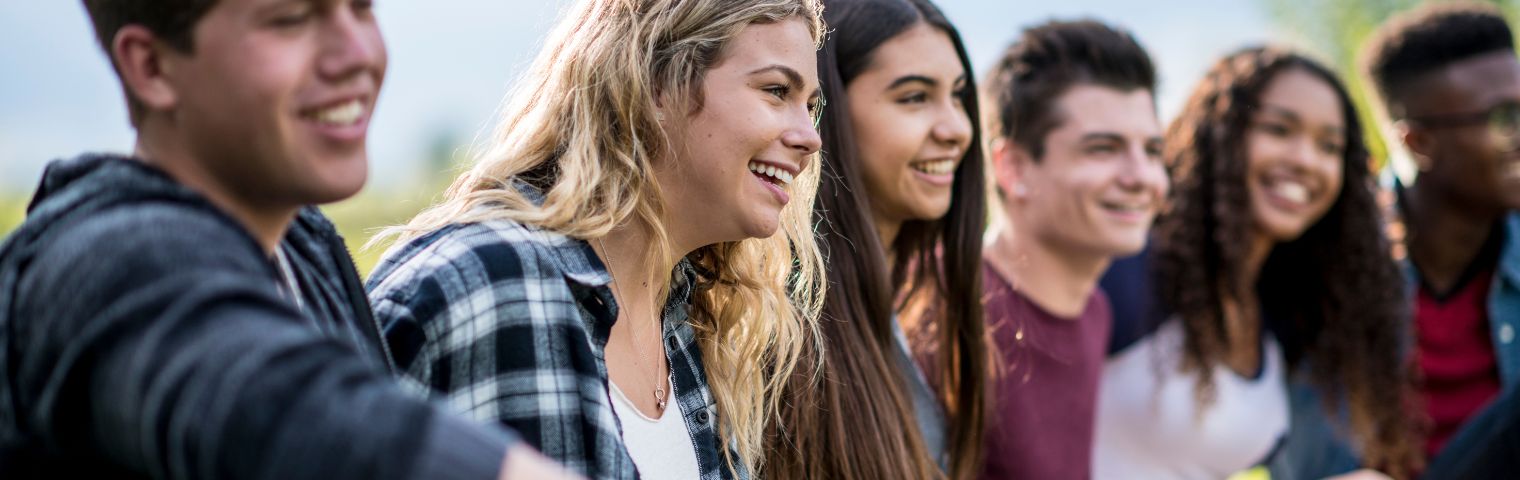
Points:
(1456, 356)
(1041, 423)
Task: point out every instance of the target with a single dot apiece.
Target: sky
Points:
(451, 62)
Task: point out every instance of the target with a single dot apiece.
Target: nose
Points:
(1143, 172)
(351, 44)
(953, 127)
(1306, 155)
(801, 137)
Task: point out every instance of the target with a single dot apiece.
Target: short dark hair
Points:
(172, 21)
(1049, 59)
(1428, 39)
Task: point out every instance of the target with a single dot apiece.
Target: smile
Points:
(777, 176)
(935, 167)
(1138, 207)
(340, 115)
(1289, 192)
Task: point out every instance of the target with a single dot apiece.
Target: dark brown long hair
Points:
(1333, 296)
(855, 417)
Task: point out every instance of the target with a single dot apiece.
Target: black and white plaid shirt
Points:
(508, 322)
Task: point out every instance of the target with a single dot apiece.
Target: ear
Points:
(1420, 142)
(1009, 161)
(141, 60)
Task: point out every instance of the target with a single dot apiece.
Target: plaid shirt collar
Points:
(688, 378)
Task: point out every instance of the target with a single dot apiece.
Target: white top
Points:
(1149, 425)
(661, 448)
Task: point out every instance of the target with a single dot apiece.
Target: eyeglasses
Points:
(1502, 120)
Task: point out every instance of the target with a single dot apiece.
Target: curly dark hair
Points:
(1429, 38)
(1333, 296)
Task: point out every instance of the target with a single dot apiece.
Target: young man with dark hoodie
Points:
(182, 312)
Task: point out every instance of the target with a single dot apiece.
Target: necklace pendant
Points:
(659, 398)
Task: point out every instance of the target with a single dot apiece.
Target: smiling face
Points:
(911, 129)
(1295, 147)
(1471, 165)
(1101, 180)
(733, 160)
(275, 98)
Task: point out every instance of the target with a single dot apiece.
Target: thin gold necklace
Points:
(659, 386)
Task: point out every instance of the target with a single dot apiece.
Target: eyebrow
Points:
(924, 79)
(1102, 136)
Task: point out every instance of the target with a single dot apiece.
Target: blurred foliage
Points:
(12, 211)
(362, 217)
(1335, 31)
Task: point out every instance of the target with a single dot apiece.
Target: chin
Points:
(760, 230)
(1282, 233)
(337, 184)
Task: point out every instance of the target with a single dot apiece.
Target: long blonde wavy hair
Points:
(581, 127)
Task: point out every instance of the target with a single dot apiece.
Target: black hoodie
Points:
(144, 333)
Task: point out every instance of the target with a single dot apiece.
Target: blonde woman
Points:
(627, 274)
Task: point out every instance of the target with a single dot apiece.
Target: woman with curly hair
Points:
(1269, 263)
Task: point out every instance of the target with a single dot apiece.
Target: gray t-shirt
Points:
(926, 408)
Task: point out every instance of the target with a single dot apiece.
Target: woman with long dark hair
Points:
(901, 206)
(1270, 263)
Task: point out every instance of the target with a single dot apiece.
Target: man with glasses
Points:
(1450, 83)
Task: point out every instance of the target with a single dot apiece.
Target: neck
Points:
(267, 223)
(1059, 280)
(637, 277)
(1261, 248)
(1443, 238)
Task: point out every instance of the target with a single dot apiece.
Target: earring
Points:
(1019, 190)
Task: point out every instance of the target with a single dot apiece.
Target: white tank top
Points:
(661, 448)
(1149, 425)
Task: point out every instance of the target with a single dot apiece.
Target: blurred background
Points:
(451, 61)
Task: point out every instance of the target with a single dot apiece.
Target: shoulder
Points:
(487, 266)
(151, 237)
(139, 248)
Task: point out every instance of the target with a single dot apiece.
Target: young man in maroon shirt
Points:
(1080, 178)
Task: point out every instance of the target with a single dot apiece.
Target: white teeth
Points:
(347, 113)
(782, 176)
(938, 167)
(1292, 191)
(1129, 207)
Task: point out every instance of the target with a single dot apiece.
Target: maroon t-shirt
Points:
(1456, 356)
(1041, 423)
